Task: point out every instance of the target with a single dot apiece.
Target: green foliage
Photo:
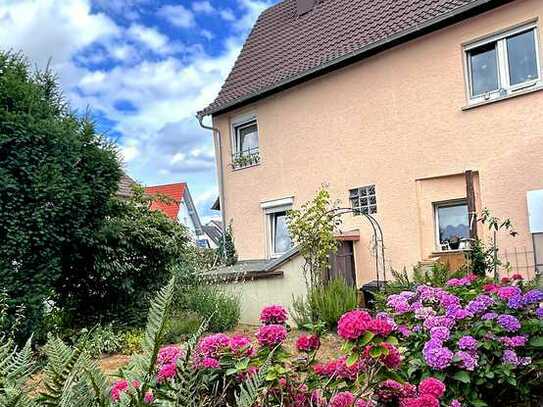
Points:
(134, 251)
(132, 341)
(301, 312)
(56, 177)
(211, 302)
(312, 229)
(330, 302)
(103, 339)
(252, 388)
(182, 325)
(227, 249)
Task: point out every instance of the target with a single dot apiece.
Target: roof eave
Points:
(435, 24)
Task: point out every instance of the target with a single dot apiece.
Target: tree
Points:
(56, 179)
(312, 229)
(131, 257)
(227, 249)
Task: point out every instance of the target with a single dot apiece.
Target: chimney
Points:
(304, 6)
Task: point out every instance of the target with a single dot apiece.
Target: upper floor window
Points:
(246, 151)
(500, 65)
(363, 200)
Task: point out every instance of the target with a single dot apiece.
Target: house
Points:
(125, 187)
(419, 113)
(214, 231)
(177, 204)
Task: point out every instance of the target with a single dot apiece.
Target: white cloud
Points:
(160, 140)
(203, 7)
(227, 14)
(149, 37)
(178, 16)
(55, 29)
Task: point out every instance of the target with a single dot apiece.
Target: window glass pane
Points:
(522, 57)
(483, 69)
(538, 247)
(453, 223)
(248, 138)
(282, 241)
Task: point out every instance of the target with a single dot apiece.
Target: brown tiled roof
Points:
(125, 186)
(284, 49)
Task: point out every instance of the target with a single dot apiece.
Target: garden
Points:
(85, 275)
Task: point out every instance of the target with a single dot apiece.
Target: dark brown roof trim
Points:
(435, 24)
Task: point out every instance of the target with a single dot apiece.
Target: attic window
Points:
(363, 200)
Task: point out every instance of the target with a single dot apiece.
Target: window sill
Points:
(522, 92)
(245, 167)
(443, 252)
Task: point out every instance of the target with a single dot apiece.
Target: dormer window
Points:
(246, 150)
(503, 64)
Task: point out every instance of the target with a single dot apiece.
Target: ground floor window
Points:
(452, 224)
(280, 237)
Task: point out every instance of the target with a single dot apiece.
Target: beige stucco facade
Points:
(395, 120)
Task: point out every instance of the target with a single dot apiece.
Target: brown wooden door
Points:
(342, 264)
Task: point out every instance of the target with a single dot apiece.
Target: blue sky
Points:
(143, 67)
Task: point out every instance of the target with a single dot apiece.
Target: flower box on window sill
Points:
(245, 159)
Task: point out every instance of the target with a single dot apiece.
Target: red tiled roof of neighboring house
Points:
(285, 48)
(173, 191)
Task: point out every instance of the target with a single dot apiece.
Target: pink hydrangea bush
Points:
(274, 315)
(476, 334)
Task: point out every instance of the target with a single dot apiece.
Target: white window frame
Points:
(239, 123)
(271, 209)
(445, 204)
(502, 59)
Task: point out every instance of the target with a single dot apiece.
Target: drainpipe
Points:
(218, 143)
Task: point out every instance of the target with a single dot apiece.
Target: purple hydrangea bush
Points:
(484, 340)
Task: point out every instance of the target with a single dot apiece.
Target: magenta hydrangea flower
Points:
(271, 335)
(380, 327)
(509, 323)
(440, 333)
(458, 313)
(212, 345)
(510, 357)
(432, 322)
(404, 330)
(363, 403)
(468, 343)
(169, 354)
(399, 303)
(353, 324)
(343, 399)
(489, 316)
(166, 372)
(467, 360)
(307, 343)
(509, 291)
(210, 363)
(437, 356)
(393, 357)
(274, 315)
(148, 398)
(118, 387)
(241, 346)
(515, 341)
(424, 400)
(455, 403)
(433, 387)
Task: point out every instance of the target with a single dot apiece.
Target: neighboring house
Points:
(180, 207)
(214, 231)
(125, 186)
(418, 113)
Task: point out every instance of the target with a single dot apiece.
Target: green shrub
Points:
(301, 312)
(132, 341)
(330, 302)
(181, 326)
(211, 302)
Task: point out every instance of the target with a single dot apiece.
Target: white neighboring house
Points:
(182, 209)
